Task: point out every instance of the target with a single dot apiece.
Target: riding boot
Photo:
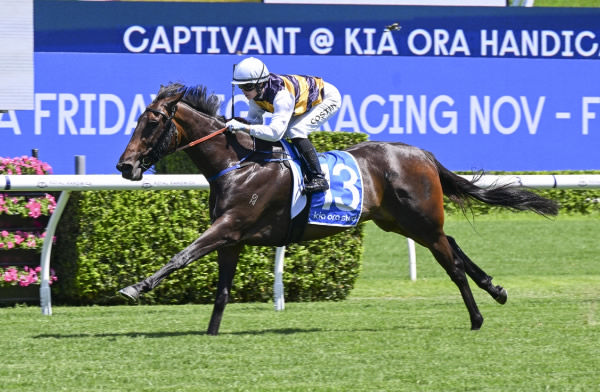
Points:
(317, 182)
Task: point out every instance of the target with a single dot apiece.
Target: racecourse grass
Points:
(390, 335)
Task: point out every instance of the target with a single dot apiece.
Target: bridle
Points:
(168, 125)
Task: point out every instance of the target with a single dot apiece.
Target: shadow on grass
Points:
(157, 335)
(281, 331)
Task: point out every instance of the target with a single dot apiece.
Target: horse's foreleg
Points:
(454, 266)
(228, 258)
(215, 237)
(483, 280)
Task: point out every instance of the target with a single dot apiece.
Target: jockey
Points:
(300, 105)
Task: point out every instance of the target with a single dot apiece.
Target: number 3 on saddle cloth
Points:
(341, 205)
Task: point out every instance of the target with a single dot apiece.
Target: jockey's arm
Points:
(255, 113)
(283, 108)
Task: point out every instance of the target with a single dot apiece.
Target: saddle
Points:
(341, 205)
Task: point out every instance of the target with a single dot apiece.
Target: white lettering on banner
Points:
(87, 128)
(386, 42)
(127, 37)
(439, 42)
(587, 113)
(88, 114)
(373, 130)
(353, 40)
(536, 43)
(481, 116)
(418, 115)
(68, 105)
(75, 114)
(118, 104)
(12, 123)
(39, 113)
(273, 40)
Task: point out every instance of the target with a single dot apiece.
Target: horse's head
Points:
(154, 137)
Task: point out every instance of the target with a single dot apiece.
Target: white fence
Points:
(68, 183)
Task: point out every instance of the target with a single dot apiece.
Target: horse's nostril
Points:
(124, 167)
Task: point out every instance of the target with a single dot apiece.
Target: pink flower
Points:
(35, 208)
(25, 277)
(4, 233)
(10, 245)
(10, 275)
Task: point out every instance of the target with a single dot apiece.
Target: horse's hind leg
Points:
(455, 268)
(479, 276)
(228, 258)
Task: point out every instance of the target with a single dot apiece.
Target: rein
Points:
(202, 139)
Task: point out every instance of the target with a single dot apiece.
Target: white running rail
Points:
(67, 183)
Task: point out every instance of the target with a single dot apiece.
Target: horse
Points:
(404, 189)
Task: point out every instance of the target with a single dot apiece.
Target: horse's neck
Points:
(196, 124)
(212, 155)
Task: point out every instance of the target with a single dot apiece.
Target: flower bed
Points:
(24, 165)
(21, 240)
(33, 207)
(26, 276)
(23, 219)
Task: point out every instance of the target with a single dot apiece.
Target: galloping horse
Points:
(403, 193)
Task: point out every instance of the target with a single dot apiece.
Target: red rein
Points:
(202, 139)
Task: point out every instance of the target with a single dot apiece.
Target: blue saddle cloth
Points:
(341, 205)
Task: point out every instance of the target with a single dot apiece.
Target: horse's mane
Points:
(195, 96)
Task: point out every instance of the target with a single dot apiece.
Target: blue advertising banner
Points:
(493, 88)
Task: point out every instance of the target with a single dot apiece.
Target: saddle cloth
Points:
(341, 205)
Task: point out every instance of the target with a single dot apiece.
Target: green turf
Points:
(566, 3)
(390, 335)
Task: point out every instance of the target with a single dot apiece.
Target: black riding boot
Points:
(316, 179)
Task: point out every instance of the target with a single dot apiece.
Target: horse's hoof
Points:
(130, 293)
(476, 323)
(502, 295)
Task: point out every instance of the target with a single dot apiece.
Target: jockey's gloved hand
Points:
(235, 126)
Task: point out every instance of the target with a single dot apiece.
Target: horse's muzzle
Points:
(129, 171)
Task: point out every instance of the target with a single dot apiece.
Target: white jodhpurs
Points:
(312, 120)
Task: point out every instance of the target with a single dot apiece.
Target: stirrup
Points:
(316, 185)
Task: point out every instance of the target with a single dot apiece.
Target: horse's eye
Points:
(150, 128)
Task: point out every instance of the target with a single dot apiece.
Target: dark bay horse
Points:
(403, 193)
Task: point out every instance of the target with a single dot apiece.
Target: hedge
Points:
(110, 239)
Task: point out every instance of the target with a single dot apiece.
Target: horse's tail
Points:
(460, 190)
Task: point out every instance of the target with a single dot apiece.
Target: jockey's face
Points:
(250, 90)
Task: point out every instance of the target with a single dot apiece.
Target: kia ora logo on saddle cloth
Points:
(341, 205)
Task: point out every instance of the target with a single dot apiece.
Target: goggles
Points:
(248, 86)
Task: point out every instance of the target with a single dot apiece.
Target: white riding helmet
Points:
(250, 70)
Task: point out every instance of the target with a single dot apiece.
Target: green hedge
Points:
(110, 239)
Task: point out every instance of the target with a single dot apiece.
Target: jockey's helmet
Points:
(250, 70)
